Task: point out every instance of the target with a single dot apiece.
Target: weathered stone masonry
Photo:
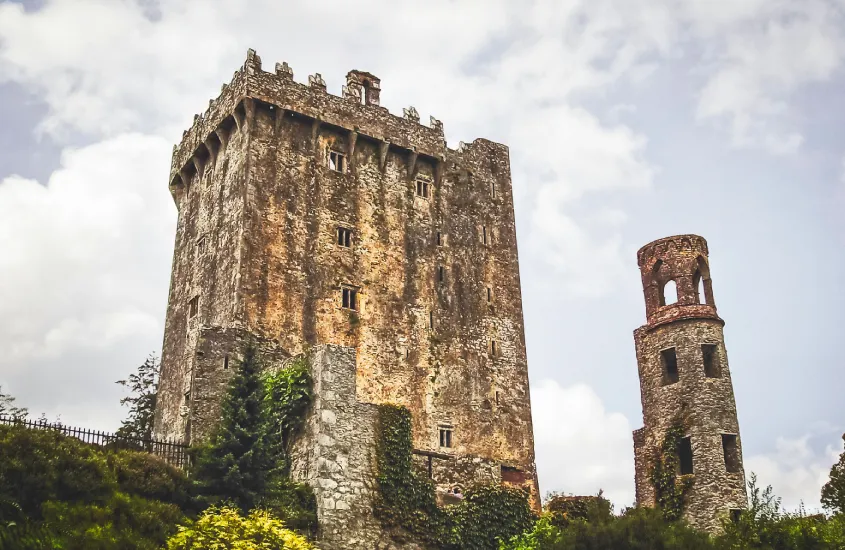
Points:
(684, 375)
(294, 203)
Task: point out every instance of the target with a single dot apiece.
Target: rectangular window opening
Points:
(438, 239)
(337, 161)
(710, 352)
(493, 189)
(685, 455)
(441, 273)
(349, 298)
(493, 348)
(446, 437)
(225, 361)
(497, 397)
(201, 246)
(670, 366)
(431, 319)
(731, 453)
(483, 234)
(423, 188)
(344, 237)
(193, 307)
(489, 295)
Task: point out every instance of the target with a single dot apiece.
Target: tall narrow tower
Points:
(684, 379)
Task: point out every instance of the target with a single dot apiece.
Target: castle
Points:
(685, 381)
(325, 225)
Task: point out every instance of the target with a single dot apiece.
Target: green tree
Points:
(8, 408)
(143, 386)
(227, 528)
(235, 465)
(833, 492)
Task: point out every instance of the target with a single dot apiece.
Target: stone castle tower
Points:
(684, 376)
(309, 219)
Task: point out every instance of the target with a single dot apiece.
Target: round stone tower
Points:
(685, 380)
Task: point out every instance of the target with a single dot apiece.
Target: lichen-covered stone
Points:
(700, 398)
(432, 255)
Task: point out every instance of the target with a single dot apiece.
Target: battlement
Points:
(677, 244)
(357, 110)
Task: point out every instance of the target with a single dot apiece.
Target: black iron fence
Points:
(172, 452)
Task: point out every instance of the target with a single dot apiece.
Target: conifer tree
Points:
(142, 402)
(234, 466)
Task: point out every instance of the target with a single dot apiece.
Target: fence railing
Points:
(172, 452)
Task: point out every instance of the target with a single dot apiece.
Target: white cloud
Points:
(581, 447)
(86, 257)
(795, 471)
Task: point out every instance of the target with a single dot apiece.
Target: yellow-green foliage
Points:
(225, 528)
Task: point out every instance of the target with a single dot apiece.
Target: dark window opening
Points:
(422, 188)
(226, 361)
(731, 453)
(489, 295)
(349, 298)
(483, 234)
(735, 514)
(188, 396)
(441, 273)
(446, 437)
(344, 237)
(710, 352)
(493, 189)
(670, 366)
(337, 161)
(685, 455)
(201, 246)
(193, 307)
(497, 397)
(438, 239)
(493, 350)
(431, 319)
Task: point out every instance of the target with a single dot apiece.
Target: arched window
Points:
(670, 293)
(701, 283)
(698, 284)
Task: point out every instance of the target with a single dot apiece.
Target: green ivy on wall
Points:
(406, 501)
(670, 487)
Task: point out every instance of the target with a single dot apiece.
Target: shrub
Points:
(148, 476)
(226, 528)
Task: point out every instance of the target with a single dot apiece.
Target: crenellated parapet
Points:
(356, 110)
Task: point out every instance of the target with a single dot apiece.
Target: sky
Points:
(627, 121)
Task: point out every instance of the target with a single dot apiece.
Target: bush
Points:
(81, 496)
(487, 515)
(148, 476)
(226, 528)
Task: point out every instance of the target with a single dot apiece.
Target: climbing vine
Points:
(669, 486)
(406, 500)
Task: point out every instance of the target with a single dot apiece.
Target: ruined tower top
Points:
(676, 279)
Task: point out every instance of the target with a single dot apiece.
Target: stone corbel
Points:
(412, 164)
(223, 136)
(279, 116)
(350, 152)
(315, 130)
(438, 172)
(198, 165)
(249, 109)
(212, 150)
(383, 146)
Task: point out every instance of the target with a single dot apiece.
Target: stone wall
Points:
(699, 396)
(438, 325)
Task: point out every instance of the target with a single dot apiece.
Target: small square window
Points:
(193, 307)
(731, 451)
(446, 437)
(710, 353)
(349, 298)
(337, 161)
(344, 237)
(669, 360)
(423, 188)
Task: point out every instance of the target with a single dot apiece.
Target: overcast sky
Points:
(627, 121)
